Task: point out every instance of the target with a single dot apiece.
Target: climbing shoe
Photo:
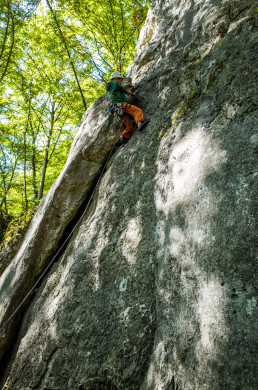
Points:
(120, 142)
(144, 124)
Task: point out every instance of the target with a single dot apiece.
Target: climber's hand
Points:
(130, 93)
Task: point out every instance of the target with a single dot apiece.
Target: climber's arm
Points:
(130, 93)
(123, 89)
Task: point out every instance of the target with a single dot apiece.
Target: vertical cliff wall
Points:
(156, 289)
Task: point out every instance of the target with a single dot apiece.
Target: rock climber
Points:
(117, 94)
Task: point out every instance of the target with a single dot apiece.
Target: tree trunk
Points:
(24, 170)
(8, 186)
(12, 44)
(46, 160)
(3, 200)
(25, 159)
(33, 162)
(5, 34)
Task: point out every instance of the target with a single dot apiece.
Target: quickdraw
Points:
(119, 111)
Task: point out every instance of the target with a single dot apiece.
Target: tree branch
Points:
(68, 53)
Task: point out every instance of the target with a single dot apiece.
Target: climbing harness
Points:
(119, 111)
(64, 243)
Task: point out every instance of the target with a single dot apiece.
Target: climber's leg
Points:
(128, 130)
(136, 112)
(138, 116)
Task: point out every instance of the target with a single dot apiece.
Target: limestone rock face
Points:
(90, 147)
(156, 288)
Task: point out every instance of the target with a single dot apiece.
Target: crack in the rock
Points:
(50, 358)
(62, 245)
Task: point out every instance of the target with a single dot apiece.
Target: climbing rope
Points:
(64, 243)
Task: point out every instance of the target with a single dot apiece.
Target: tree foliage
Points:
(55, 57)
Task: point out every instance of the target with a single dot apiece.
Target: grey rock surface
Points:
(90, 147)
(156, 289)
